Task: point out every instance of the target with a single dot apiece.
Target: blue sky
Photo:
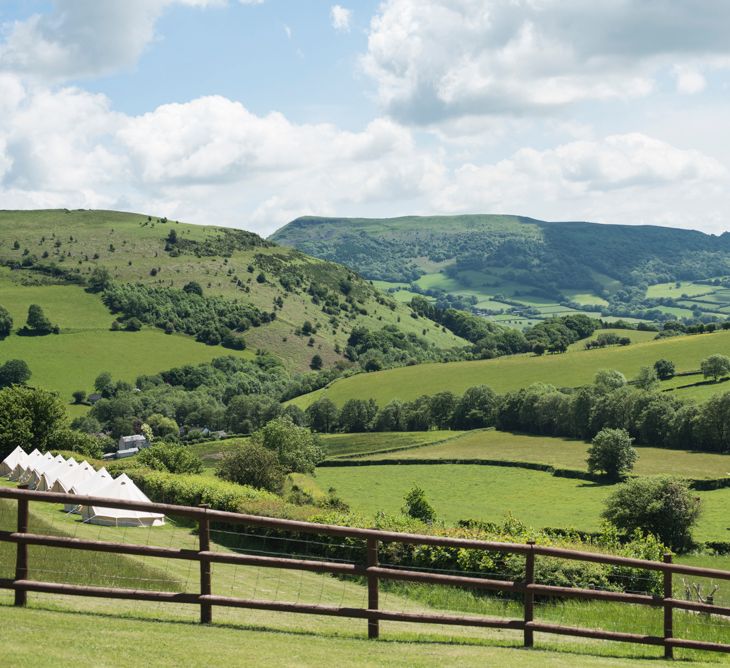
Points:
(249, 113)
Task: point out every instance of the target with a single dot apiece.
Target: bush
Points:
(78, 442)
(192, 490)
(611, 453)
(253, 465)
(664, 507)
(418, 507)
(171, 458)
(79, 396)
(6, 322)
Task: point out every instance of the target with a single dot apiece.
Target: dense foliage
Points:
(254, 465)
(611, 453)
(665, 507)
(211, 319)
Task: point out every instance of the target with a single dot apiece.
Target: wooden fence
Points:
(371, 570)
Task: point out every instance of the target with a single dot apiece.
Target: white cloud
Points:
(689, 80)
(84, 38)
(436, 59)
(287, 30)
(630, 178)
(340, 17)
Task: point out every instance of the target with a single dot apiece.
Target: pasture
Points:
(489, 493)
(571, 369)
(489, 444)
(338, 445)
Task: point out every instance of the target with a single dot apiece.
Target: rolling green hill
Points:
(48, 256)
(571, 369)
(516, 269)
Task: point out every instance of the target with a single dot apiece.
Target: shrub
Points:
(171, 458)
(253, 465)
(418, 507)
(611, 453)
(664, 507)
(78, 442)
(79, 396)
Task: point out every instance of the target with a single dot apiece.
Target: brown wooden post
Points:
(206, 609)
(372, 561)
(21, 555)
(668, 630)
(529, 599)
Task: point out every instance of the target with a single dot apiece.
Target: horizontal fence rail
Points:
(371, 570)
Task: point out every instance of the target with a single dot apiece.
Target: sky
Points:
(249, 113)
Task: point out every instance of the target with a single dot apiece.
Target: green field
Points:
(489, 493)
(338, 445)
(490, 444)
(510, 373)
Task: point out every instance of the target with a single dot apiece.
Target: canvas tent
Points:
(38, 464)
(122, 488)
(87, 487)
(17, 456)
(41, 468)
(52, 474)
(34, 457)
(65, 482)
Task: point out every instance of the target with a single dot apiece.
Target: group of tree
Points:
(210, 319)
(37, 323)
(280, 447)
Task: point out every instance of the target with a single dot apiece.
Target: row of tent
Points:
(46, 473)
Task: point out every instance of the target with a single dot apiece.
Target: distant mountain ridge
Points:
(550, 256)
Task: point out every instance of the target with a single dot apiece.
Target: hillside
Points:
(516, 269)
(574, 368)
(277, 291)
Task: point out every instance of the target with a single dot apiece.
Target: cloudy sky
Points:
(249, 113)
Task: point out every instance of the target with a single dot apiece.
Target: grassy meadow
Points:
(489, 493)
(503, 374)
(86, 346)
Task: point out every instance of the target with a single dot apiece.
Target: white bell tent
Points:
(37, 466)
(88, 487)
(22, 467)
(52, 474)
(41, 468)
(123, 489)
(75, 476)
(17, 456)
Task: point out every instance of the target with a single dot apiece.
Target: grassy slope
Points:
(557, 452)
(509, 373)
(71, 360)
(139, 248)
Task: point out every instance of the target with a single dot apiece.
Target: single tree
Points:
(14, 372)
(193, 288)
(322, 415)
(611, 453)
(665, 507)
(37, 322)
(316, 363)
(715, 366)
(297, 448)
(647, 379)
(6, 322)
(99, 280)
(664, 369)
(608, 380)
(252, 464)
(417, 507)
(79, 396)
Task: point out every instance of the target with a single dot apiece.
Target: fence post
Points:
(21, 555)
(206, 609)
(372, 560)
(529, 597)
(668, 630)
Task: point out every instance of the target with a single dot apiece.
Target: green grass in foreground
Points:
(559, 453)
(52, 638)
(468, 491)
(511, 373)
